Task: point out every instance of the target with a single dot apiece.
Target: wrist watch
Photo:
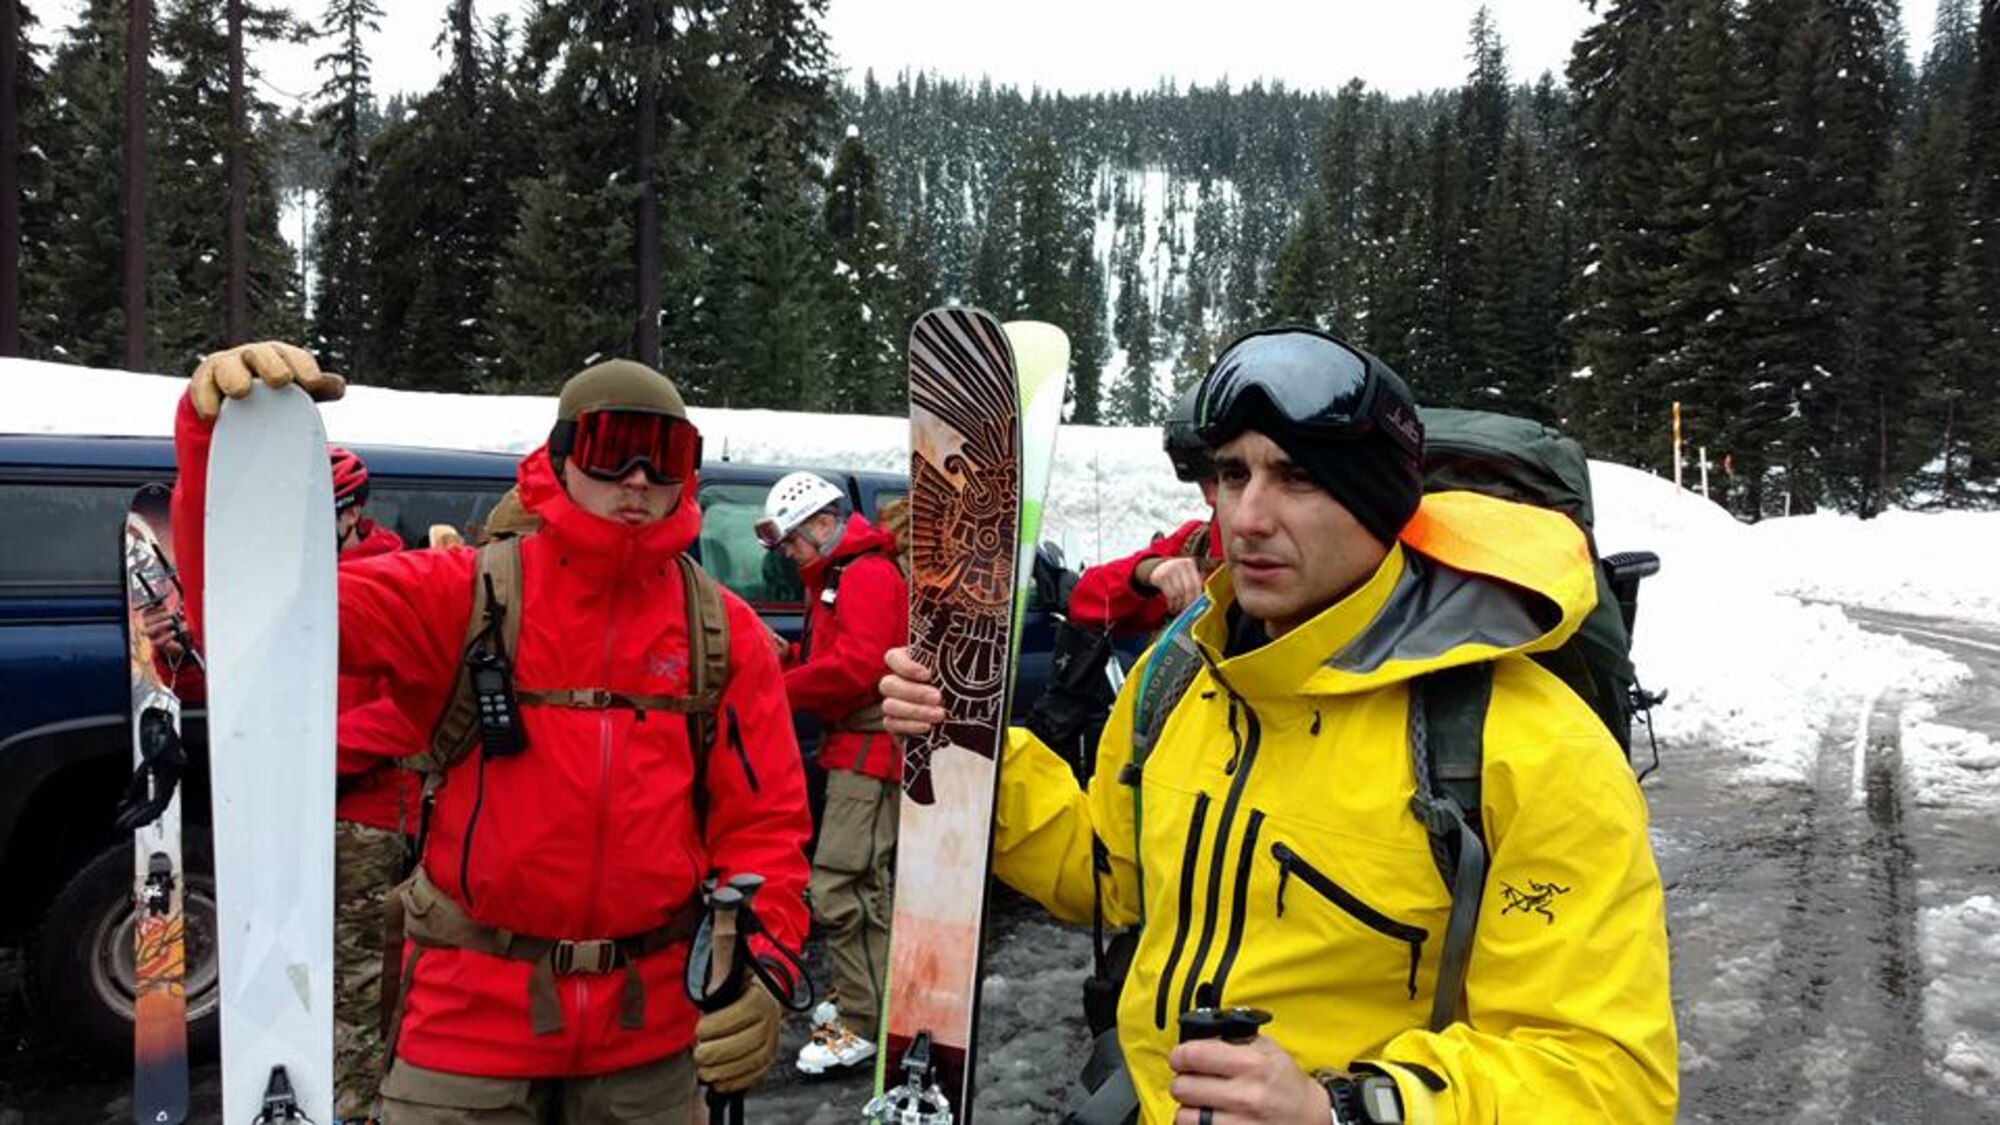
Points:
(1368, 1100)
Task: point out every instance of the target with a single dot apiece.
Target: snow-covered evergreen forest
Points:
(1759, 209)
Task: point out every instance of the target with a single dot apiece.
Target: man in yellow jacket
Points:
(1268, 841)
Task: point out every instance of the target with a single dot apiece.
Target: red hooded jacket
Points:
(1108, 596)
(592, 831)
(851, 622)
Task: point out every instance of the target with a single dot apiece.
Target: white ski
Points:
(271, 650)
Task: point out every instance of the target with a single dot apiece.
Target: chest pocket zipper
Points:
(1290, 863)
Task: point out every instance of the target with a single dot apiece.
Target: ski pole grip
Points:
(1231, 1025)
(723, 976)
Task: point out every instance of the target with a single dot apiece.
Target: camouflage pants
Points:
(367, 862)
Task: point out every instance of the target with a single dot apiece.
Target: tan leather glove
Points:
(734, 1046)
(231, 372)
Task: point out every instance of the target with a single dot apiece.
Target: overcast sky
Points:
(1397, 46)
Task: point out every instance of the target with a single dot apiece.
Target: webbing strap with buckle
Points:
(433, 921)
(601, 699)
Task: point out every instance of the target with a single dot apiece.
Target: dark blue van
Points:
(64, 751)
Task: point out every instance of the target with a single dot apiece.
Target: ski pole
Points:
(725, 984)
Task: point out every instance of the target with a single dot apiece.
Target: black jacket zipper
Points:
(1185, 908)
(1240, 907)
(1240, 764)
(1290, 863)
(736, 744)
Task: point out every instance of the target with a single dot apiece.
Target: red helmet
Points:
(350, 478)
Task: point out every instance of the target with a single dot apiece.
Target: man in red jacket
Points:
(550, 917)
(857, 609)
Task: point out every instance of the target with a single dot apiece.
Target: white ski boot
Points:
(833, 1046)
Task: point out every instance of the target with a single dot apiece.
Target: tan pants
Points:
(657, 1093)
(367, 862)
(851, 890)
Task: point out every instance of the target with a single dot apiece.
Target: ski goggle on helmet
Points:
(796, 498)
(1312, 381)
(618, 416)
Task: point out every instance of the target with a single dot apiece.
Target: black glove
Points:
(162, 761)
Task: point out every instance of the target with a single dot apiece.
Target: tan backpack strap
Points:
(708, 632)
(708, 652)
(457, 729)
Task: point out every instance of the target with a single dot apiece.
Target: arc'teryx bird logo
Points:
(1536, 899)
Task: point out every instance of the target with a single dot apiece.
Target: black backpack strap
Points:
(1110, 1097)
(1447, 748)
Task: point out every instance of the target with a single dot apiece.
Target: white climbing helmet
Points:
(796, 498)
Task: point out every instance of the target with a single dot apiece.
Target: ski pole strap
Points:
(432, 920)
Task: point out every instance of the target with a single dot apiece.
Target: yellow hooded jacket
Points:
(1284, 868)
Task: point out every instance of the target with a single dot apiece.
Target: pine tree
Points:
(1982, 159)
(1951, 57)
(865, 312)
(341, 323)
(1975, 293)
(1485, 104)
(1089, 347)
(1303, 280)
(772, 301)
(1133, 400)
(1619, 71)
(188, 232)
(1807, 297)
(75, 247)
(1704, 227)
(24, 288)
(443, 211)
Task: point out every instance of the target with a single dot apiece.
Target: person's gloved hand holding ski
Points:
(229, 373)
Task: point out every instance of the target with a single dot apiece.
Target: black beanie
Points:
(1377, 476)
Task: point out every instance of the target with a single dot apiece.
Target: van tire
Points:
(79, 967)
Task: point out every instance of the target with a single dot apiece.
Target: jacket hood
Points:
(590, 534)
(857, 539)
(371, 539)
(1472, 578)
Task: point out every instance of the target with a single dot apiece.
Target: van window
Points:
(730, 551)
(410, 508)
(74, 528)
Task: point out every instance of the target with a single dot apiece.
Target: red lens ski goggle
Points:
(609, 444)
